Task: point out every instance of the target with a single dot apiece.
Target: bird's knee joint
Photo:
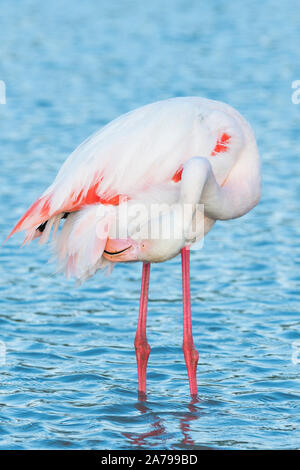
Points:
(142, 348)
(190, 352)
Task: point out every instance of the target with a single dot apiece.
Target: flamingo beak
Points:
(120, 250)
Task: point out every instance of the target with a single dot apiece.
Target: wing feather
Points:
(140, 149)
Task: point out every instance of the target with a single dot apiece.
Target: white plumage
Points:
(137, 157)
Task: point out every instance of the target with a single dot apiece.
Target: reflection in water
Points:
(157, 425)
(192, 415)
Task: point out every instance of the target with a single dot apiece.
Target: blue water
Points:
(69, 379)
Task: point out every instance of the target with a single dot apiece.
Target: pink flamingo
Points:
(179, 152)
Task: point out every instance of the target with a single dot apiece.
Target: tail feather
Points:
(37, 214)
(80, 244)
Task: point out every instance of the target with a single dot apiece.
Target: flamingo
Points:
(186, 151)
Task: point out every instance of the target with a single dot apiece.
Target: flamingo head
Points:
(117, 250)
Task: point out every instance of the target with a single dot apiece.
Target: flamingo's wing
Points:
(142, 148)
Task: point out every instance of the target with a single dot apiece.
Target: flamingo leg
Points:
(190, 352)
(142, 347)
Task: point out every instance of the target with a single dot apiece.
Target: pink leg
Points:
(190, 352)
(142, 347)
